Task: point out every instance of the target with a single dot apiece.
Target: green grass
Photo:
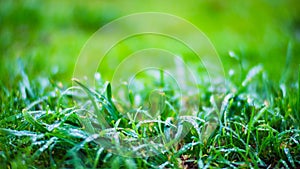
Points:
(47, 125)
(45, 122)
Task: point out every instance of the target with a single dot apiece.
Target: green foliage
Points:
(45, 123)
(259, 127)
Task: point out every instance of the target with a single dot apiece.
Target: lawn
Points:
(50, 118)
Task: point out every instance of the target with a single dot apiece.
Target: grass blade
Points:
(34, 122)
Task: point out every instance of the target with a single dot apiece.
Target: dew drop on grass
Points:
(231, 72)
(97, 76)
(233, 55)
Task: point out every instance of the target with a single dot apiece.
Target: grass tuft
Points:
(255, 124)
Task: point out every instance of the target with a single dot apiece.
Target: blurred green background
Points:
(48, 35)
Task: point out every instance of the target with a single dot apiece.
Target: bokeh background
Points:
(48, 35)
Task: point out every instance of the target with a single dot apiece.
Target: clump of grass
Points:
(53, 127)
